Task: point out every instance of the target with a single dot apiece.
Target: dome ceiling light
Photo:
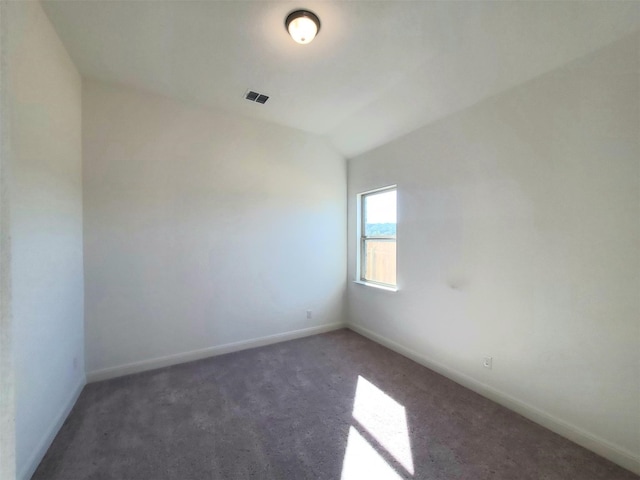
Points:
(302, 25)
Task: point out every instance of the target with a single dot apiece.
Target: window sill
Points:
(375, 285)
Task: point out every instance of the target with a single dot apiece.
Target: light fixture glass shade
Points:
(303, 26)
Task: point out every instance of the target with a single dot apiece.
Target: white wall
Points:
(7, 386)
(518, 237)
(44, 103)
(203, 229)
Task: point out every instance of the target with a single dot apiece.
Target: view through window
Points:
(378, 236)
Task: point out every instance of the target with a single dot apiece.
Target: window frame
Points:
(362, 238)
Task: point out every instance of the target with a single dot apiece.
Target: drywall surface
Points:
(203, 229)
(7, 384)
(44, 95)
(518, 238)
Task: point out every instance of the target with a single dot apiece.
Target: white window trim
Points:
(359, 280)
(379, 286)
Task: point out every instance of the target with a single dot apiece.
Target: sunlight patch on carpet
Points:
(362, 461)
(385, 420)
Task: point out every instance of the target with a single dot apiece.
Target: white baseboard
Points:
(26, 471)
(592, 442)
(159, 362)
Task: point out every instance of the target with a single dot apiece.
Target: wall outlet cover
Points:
(487, 362)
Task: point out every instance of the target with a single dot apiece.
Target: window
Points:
(377, 236)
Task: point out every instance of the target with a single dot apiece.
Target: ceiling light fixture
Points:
(302, 25)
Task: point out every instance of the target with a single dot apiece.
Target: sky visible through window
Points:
(380, 213)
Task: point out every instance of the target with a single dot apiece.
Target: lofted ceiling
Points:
(377, 69)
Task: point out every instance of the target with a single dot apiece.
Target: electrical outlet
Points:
(487, 362)
(309, 314)
(75, 363)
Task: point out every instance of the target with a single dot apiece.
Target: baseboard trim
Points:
(166, 361)
(592, 442)
(27, 471)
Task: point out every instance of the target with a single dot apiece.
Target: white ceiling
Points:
(377, 70)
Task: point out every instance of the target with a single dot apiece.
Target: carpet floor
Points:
(331, 406)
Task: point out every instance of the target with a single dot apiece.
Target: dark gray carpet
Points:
(285, 412)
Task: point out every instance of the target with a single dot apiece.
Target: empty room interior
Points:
(319, 240)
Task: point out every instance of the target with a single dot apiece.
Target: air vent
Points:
(256, 97)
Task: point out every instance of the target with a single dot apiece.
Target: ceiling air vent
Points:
(256, 97)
